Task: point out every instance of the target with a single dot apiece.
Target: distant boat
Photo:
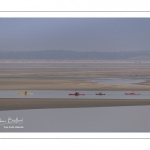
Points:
(99, 94)
(132, 93)
(23, 93)
(76, 94)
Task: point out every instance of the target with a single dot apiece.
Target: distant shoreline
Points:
(73, 61)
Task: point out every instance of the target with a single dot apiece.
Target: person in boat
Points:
(25, 92)
(100, 93)
(132, 92)
(76, 93)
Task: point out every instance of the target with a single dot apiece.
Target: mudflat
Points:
(71, 75)
(31, 103)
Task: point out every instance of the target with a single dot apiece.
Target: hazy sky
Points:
(79, 34)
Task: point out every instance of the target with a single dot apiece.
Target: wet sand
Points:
(18, 75)
(14, 83)
(68, 75)
(31, 103)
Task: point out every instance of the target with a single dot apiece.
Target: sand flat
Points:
(64, 84)
(32, 103)
(70, 75)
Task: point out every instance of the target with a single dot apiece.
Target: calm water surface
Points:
(97, 119)
(64, 94)
(117, 81)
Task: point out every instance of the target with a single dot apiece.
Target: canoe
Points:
(76, 95)
(99, 94)
(132, 93)
(23, 93)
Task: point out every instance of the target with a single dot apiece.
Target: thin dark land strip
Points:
(39, 103)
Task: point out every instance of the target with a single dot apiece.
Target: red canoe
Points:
(132, 93)
(76, 94)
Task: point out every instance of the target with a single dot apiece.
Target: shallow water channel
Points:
(65, 94)
(122, 81)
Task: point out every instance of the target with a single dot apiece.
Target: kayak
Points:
(132, 93)
(23, 93)
(76, 95)
(99, 94)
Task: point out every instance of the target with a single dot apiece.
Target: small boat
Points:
(132, 93)
(99, 94)
(23, 93)
(76, 94)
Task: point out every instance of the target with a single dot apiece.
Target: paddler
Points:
(100, 93)
(76, 93)
(25, 92)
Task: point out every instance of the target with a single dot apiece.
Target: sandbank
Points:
(32, 103)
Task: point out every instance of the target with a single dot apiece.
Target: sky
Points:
(76, 34)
